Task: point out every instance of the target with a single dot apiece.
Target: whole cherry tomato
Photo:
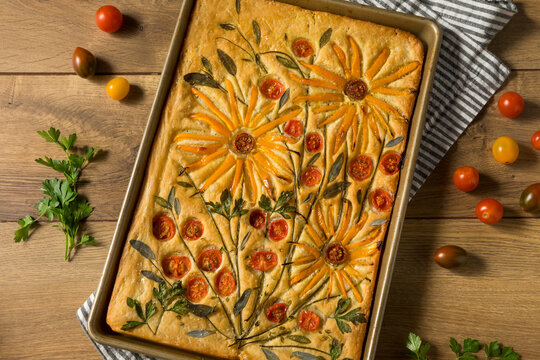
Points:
(511, 104)
(530, 198)
(505, 150)
(466, 178)
(109, 18)
(450, 256)
(535, 140)
(489, 211)
(84, 63)
(118, 88)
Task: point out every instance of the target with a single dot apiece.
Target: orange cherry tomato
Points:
(84, 63)
(272, 89)
(294, 128)
(489, 211)
(257, 219)
(308, 320)
(163, 227)
(505, 150)
(511, 104)
(390, 163)
(263, 260)
(535, 140)
(466, 178)
(361, 167)
(193, 229)
(209, 260)
(277, 312)
(314, 142)
(109, 19)
(118, 88)
(311, 176)
(381, 200)
(196, 289)
(225, 282)
(302, 48)
(278, 230)
(176, 266)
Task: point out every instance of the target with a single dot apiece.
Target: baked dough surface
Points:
(298, 115)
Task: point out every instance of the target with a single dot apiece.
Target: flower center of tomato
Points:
(243, 143)
(336, 254)
(355, 89)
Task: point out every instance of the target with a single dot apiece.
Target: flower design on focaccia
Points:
(355, 93)
(246, 141)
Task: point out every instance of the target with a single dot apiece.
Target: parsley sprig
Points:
(223, 207)
(281, 206)
(354, 316)
(61, 200)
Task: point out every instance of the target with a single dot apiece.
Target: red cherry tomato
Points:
(294, 128)
(193, 229)
(272, 89)
(511, 104)
(311, 176)
(163, 227)
(209, 260)
(308, 320)
(361, 167)
(314, 143)
(225, 282)
(535, 140)
(109, 18)
(196, 289)
(257, 219)
(302, 48)
(489, 211)
(263, 260)
(390, 163)
(277, 312)
(278, 230)
(176, 266)
(466, 178)
(381, 200)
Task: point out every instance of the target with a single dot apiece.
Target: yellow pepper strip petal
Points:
(341, 284)
(306, 272)
(304, 259)
(356, 293)
(391, 91)
(383, 105)
(314, 236)
(381, 119)
(407, 69)
(272, 124)
(356, 63)
(330, 285)
(308, 248)
(203, 149)
(328, 75)
(326, 108)
(354, 132)
(354, 230)
(342, 60)
(338, 114)
(252, 102)
(258, 117)
(377, 64)
(355, 262)
(314, 281)
(237, 175)
(315, 82)
(270, 154)
(276, 137)
(214, 108)
(262, 143)
(189, 136)
(367, 241)
(320, 219)
(331, 225)
(344, 127)
(360, 254)
(222, 169)
(365, 134)
(373, 126)
(351, 271)
(233, 105)
(252, 183)
(205, 160)
(262, 162)
(213, 123)
(265, 178)
(345, 221)
(333, 97)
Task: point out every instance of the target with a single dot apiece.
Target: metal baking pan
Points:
(426, 30)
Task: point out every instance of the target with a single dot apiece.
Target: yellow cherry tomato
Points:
(118, 88)
(505, 150)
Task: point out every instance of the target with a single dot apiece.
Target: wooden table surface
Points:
(494, 297)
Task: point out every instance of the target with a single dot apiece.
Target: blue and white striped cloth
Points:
(466, 77)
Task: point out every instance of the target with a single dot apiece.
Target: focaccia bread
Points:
(264, 207)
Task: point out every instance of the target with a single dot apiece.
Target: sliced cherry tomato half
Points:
(209, 260)
(277, 312)
(530, 198)
(193, 229)
(163, 227)
(511, 104)
(257, 219)
(278, 230)
(535, 140)
(225, 282)
(263, 260)
(466, 178)
(309, 321)
(294, 128)
(314, 143)
(505, 150)
(361, 167)
(302, 48)
(176, 266)
(196, 289)
(390, 163)
(489, 211)
(109, 19)
(311, 176)
(272, 89)
(381, 200)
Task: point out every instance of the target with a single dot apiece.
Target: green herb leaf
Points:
(509, 354)
(470, 345)
(184, 184)
(242, 302)
(225, 199)
(313, 159)
(227, 62)
(424, 350)
(283, 99)
(201, 80)
(88, 241)
(335, 349)
(343, 326)
(455, 346)
(256, 32)
(200, 333)
(136, 305)
(24, 226)
(325, 38)
(359, 196)
(150, 309)
(270, 355)
(161, 202)
(304, 355)
(378, 222)
(284, 197)
(200, 310)
(176, 289)
(143, 249)
(299, 339)
(177, 208)
(207, 64)
(342, 306)
(227, 26)
(336, 168)
(180, 307)
(414, 342)
(310, 195)
(492, 350)
(354, 316)
(468, 356)
(265, 203)
(150, 275)
(288, 63)
(394, 141)
(132, 325)
(335, 189)
(237, 6)
(244, 240)
(170, 198)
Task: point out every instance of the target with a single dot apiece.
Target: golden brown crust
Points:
(388, 62)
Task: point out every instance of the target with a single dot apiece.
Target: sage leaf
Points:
(184, 184)
(244, 240)
(310, 195)
(313, 159)
(304, 355)
(207, 64)
(242, 302)
(170, 198)
(200, 310)
(161, 202)
(256, 32)
(336, 168)
(150, 275)
(283, 99)
(325, 38)
(143, 249)
(177, 208)
(200, 333)
(270, 355)
(132, 325)
(237, 6)
(394, 141)
(335, 189)
(378, 222)
(201, 79)
(299, 339)
(359, 196)
(227, 26)
(286, 62)
(227, 62)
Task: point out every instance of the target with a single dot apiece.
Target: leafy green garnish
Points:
(354, 316)
(418, 351)
(281, 206)
(150, 310)
(223, 207)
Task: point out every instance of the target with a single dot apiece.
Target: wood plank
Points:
(40, 36)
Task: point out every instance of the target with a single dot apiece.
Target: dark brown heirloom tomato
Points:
(176, 266)
(225, 282)
(450, 256)
(530, 198)
(314, 142)
(390, 163)
(381, 200)
(294, 128)
(272, 89)
(277, 312)
(309, 321)
(163, 227)
(84, 63)
(243, 143)
(311, 176)
(336, 254)
(196, 289)
(193, 229)
(302, 48)
(209, 260)
(263, 260)
(361, 167)
(355, 89)
(257, 219)
(278, 230)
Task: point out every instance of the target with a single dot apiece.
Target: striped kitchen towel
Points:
(466, 77)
